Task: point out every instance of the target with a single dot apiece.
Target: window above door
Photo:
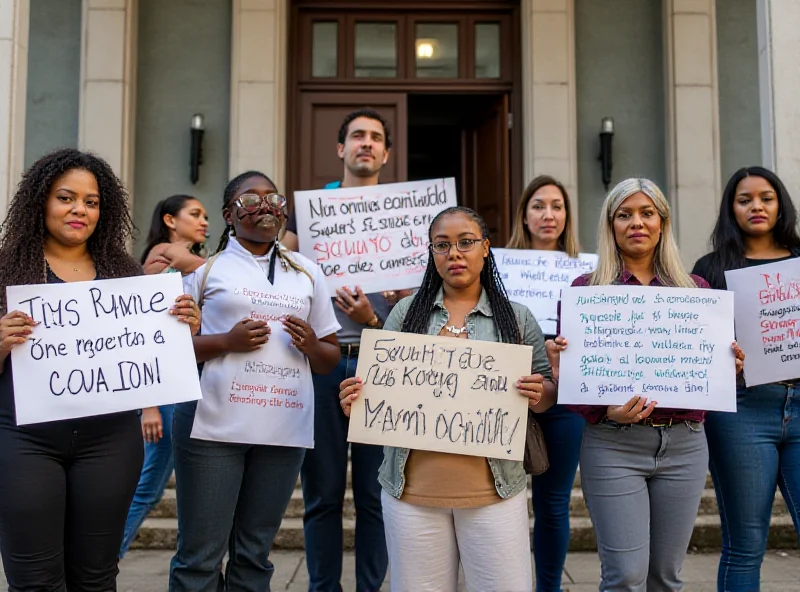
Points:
(433, 47)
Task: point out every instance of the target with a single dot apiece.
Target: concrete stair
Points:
(160, 529)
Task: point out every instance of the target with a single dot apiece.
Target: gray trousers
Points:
(642, 486)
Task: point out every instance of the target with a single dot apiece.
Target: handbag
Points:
(535, 461)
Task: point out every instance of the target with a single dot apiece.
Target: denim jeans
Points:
(155, 475)
(563, 434)
(752, 452)
(231, 497)
(324, 483)
(642, 487)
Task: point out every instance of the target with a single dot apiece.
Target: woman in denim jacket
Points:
(441, 508)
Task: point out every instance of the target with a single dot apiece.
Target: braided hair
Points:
(231, 190)
(418, 316)
(23, 233)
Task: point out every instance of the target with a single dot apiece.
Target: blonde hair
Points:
(667, 264)
(521, 237)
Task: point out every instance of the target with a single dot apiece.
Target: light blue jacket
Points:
(509, 476)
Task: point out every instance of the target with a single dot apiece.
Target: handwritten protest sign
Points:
(441, 394)
(373, 237)
(101, 347)
(767, 310)
(536, 278)
(671, 345)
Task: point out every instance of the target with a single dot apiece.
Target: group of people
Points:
(74, 492)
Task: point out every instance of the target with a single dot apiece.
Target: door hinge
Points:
(510, 120)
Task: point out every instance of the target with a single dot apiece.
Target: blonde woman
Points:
(643, 467)
(544, 222)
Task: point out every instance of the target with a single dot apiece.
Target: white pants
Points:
(426, 544)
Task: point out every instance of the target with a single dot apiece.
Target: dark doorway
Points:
(464, 136)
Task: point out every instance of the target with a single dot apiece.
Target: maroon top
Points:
(596, 413)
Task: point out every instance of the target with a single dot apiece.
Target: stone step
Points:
(167, 507)
(161, 533)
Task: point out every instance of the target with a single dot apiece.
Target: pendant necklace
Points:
(455, 330)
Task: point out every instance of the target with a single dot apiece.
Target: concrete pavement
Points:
(147, 571)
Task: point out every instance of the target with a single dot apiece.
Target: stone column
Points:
(258, 88)
(692, 122)
(548, 93)
(107, 91)
(14, 24)
(779, 78)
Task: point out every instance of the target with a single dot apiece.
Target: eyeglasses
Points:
(464, 245)
(252, 202)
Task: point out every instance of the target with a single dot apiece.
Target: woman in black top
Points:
(66, 485)
(758, 447)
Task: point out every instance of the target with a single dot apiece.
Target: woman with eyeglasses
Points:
(544, 222)
(267, 323)
(441, 509)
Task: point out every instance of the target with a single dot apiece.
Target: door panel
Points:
(486, 174)
(321, 116)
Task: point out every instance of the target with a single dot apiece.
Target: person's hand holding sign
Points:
(15, 327)
(739, 354)
(187, 312)
(533, 388)
(349, 390)
(355, 305)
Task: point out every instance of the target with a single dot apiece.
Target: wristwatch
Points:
(374, 322)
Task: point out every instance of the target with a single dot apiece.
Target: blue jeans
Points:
(231, 497)
(324, 483)
(563, 434)
(155, 475)
(751, 452)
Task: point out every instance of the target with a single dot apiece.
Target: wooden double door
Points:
(443, 75)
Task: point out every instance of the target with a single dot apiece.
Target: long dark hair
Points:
(22, 234)
(159, 232)
(416, 320)
(727, 240)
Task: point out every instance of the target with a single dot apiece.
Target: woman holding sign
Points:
(544, 222)
(177, 233)
(441, 508)
(66, 485)
(267, 323)
(756, 449)
(643, 468)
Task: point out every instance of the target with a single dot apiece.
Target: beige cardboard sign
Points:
(441, 394)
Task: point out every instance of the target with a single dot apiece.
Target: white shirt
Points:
(266, 396)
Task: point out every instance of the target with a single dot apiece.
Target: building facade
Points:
(490, 92)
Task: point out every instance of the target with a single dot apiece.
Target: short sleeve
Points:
(291, 223)
(532, 335)
(191, 283)
(322, 317)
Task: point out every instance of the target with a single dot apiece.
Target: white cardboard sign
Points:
(671, 345)
(767, 310)
(536, 278)
(101, 347)
(373, 237)
(441, 394)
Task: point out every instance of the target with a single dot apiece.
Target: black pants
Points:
(65, 490)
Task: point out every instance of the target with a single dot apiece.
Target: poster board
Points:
(101, 347)
(441, 394)
(671, 345)
(374, 237)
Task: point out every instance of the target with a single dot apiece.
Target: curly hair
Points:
(23, 233)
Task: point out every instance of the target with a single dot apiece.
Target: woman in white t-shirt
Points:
(267, 322)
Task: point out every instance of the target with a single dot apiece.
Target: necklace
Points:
(455, 330)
